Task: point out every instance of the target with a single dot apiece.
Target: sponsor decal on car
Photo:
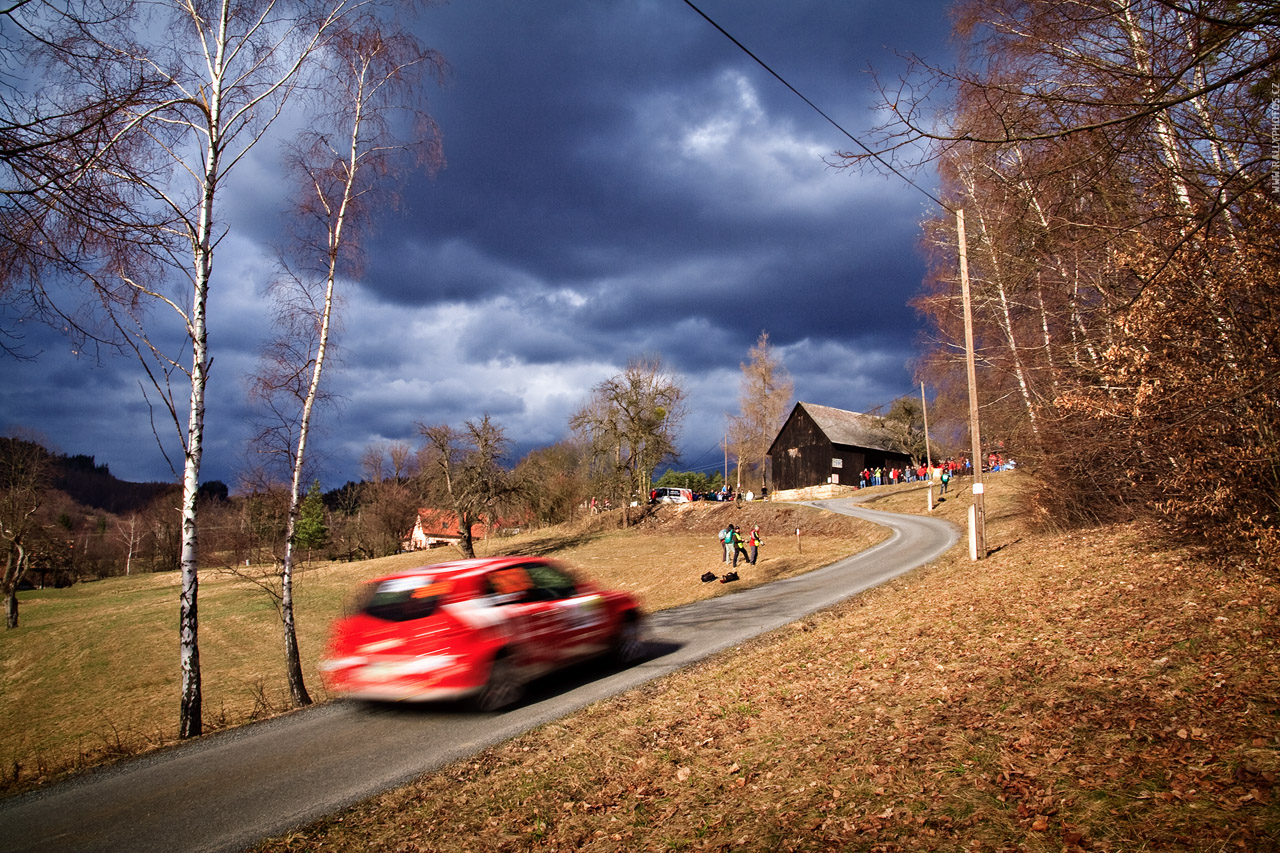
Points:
(585, 612)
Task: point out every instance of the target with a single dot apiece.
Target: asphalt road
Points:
(228, 791)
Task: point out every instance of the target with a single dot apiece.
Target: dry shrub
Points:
(1181, 420)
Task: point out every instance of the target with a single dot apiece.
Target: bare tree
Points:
(630, 423)
(217, 76)
(63, 171)
(129, 533)
(1115, 158)
(906, 418)
(377, 512)
(374, 74)
(554, 482)
(468, 472)
(765, 395)
(24, 480)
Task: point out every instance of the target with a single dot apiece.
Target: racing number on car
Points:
(433, 589)
(510, 580)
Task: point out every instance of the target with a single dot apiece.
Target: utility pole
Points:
(928, 455)
(977, 519)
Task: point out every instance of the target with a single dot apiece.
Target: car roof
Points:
(463, 568)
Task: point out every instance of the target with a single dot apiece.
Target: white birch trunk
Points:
(293, 664)
(1167, 139)
(1004, 316)
(191, 722)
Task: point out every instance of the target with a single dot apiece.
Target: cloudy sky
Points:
(621, 180)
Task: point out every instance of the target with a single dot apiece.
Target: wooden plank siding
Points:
(820, 444)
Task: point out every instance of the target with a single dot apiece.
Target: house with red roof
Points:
(436, 527)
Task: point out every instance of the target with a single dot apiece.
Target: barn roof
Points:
(853, 428)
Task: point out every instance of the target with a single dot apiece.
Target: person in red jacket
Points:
(753, 544)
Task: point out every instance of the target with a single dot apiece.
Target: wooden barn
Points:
(819, 444)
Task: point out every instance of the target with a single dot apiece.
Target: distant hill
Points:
(95, 486)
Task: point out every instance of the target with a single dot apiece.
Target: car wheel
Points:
(504, 687)
(629, 645)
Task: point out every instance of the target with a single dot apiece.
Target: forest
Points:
(1113, 165)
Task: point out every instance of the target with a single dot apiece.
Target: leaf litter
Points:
(1090, 690)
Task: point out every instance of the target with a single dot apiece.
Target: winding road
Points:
(228, 791)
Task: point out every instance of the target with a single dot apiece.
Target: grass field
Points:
(92, 674)
(1085, 690)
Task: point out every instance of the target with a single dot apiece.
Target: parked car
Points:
(474, 629)
(672, 495)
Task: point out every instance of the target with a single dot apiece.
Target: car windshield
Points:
(403, 599)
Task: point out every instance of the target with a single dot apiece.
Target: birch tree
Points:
(371, 74)
(217, 75)
(60, 205)
(1118, 159)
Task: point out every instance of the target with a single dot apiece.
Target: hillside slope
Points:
(1090, 690)
(91, 673)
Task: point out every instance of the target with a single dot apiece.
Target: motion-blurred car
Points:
(475, 629)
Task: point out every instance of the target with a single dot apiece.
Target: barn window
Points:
(793, 452)
(837, 463)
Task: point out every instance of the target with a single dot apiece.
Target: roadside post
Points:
(928, 455)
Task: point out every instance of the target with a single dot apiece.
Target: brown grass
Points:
(92, 674)
(1088, 690)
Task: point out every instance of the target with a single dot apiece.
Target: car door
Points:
(581, 617)
(535, 626)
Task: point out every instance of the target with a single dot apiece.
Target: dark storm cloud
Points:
(621, 180)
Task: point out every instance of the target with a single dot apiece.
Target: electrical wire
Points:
(814, 107)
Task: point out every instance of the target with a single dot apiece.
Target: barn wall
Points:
(801, 454)
(852, 462)
(885, 459)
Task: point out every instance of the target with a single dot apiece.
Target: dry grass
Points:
(1090, 690)
(92, 672)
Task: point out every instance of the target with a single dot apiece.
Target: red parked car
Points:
(475, 629)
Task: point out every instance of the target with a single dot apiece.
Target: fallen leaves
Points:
(1062, 698)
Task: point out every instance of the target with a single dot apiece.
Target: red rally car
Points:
(477, 629)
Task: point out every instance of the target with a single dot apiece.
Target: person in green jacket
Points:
(734, 540)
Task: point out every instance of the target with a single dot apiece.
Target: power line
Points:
(815, 108)
(714, 448)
